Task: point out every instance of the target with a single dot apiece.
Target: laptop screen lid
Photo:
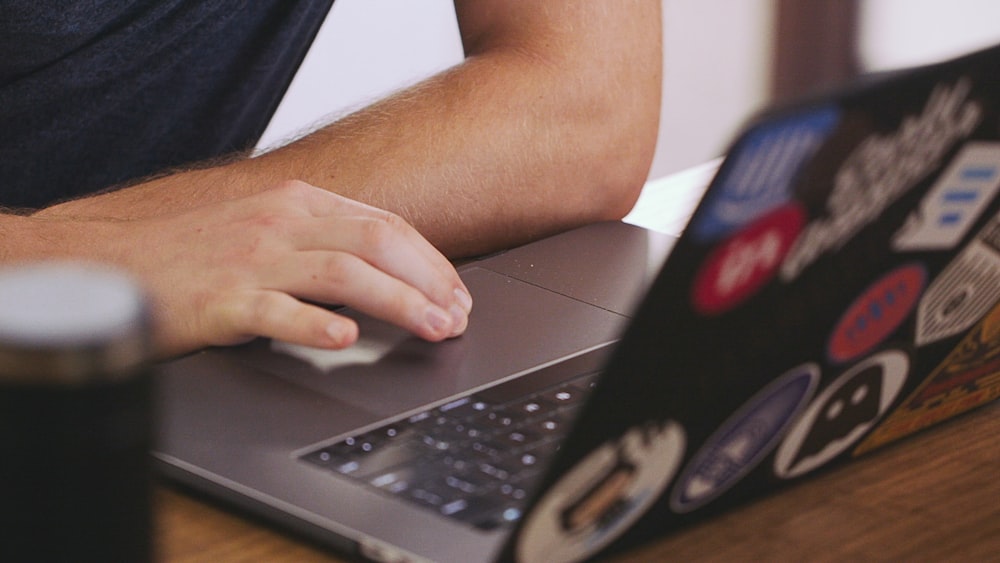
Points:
(838, 280)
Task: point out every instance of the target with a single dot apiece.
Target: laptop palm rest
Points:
(514, 327)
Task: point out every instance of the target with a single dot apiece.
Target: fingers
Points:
(341, 277)
(389, 244)
(273, 314)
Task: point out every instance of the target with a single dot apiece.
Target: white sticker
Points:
(954, 203)
(964, 292)
(603, 495)
(842, 413)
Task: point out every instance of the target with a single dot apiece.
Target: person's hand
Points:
(224, 273)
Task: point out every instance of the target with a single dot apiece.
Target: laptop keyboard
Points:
(471, 460)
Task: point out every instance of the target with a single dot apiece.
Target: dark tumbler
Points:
(75, 420)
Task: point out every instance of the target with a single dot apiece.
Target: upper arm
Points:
(572, 34)
(594, 66)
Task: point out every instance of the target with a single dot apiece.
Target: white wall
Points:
(365, 50)
(715, 66)
(901, 33)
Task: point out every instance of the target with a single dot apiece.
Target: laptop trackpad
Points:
(515, 326)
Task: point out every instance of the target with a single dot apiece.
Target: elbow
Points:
(617, 127)
(620, 153)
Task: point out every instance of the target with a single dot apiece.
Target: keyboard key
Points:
(324, 458)
(470, 484)
(465, 408)
(568, 395)
(550, 426)
(518, 438)
(489, 448)
(528, 408)
(494, 471)
(384, 458)
(500, 419)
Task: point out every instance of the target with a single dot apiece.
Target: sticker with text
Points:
(744, 263)
(883, 168)
(955, 201)
(603, 495)
(969, 377)
(760, 172)
(964, 291)
(744, 439)
(877, 313)
(842, 413)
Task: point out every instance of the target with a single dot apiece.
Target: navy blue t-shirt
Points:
(101, 92)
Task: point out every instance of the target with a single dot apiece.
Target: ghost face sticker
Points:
(744, 439)
(603, 495)
(744, 263)
(846, 410)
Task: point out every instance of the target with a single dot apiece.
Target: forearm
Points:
(29, 239)
(518, 141)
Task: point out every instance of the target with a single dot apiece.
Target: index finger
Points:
(389, 243)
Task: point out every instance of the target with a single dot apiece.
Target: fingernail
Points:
(341, 335)
(439, 321)
(464, 299)
(460, 320)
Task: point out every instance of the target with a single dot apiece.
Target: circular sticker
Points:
(745, 262)
(877, 313)
(603, 495)
(842, 413)
(744, 439)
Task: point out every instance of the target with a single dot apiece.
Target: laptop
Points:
(836, 289)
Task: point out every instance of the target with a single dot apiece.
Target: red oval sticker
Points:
(745, 262)
(877, 313)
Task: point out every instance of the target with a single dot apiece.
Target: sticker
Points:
(884, 167)
(744, 263)
(600, 498)
(955, 201)
(877, 313)
(760, 172)
(744, 439)
(842, 413)
(967, 378)
(964, 291)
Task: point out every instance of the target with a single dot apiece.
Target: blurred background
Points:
(723, 61)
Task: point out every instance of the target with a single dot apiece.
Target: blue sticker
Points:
(744, 439)
(759, 174)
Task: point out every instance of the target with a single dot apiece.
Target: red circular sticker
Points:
(877, 313)
(745, 262)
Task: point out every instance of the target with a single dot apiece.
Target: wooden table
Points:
(933, 497)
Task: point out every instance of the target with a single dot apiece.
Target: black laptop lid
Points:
(835, 290)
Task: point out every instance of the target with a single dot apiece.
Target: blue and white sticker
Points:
(956, 200)
(842, 414)
(759, 174)
(744, 439)
(603, 495)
